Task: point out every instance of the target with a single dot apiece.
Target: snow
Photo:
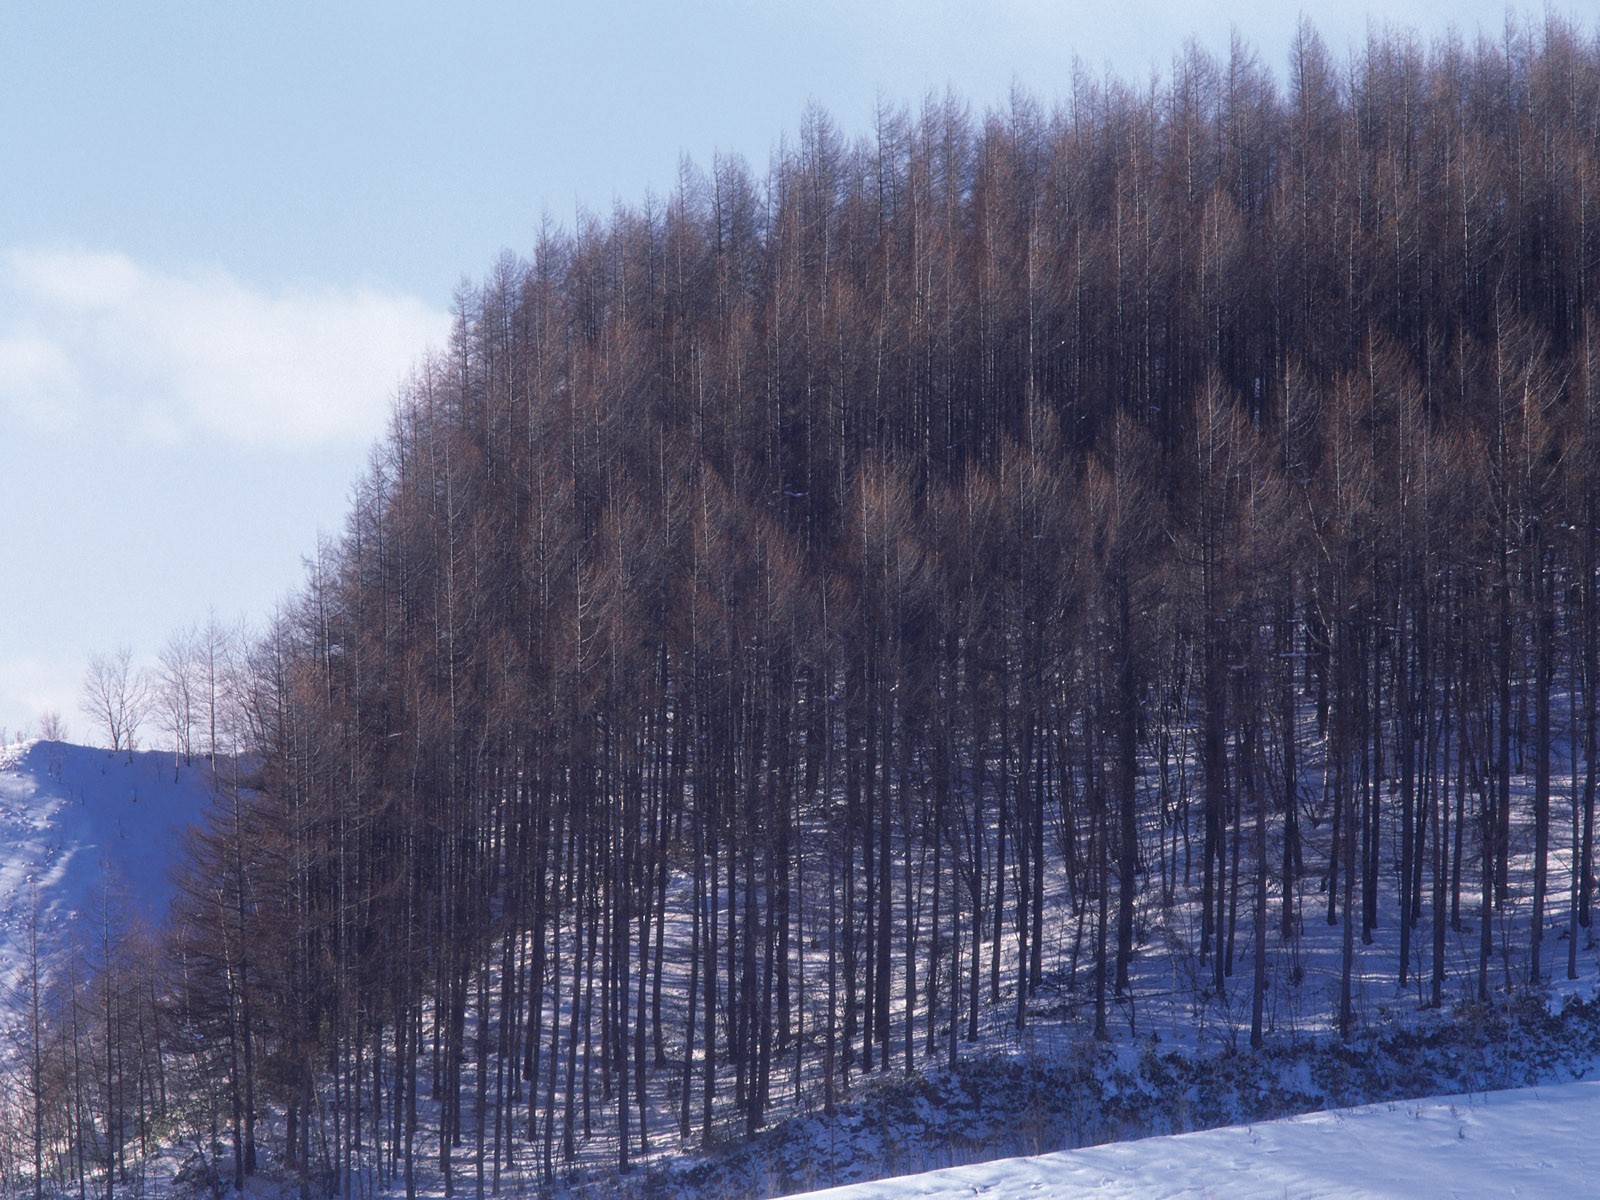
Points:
(1530, 1142)
(88, 836)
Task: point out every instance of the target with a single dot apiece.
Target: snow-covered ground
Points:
(87, 836)
(1530, 1142)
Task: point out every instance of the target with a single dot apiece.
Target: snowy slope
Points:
(81, 828)
(1531, 1142)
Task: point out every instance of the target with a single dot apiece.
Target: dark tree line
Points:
(793, 619)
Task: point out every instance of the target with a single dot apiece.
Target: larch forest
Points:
(796, 620)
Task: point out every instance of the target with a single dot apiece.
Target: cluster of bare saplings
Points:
(779, 596)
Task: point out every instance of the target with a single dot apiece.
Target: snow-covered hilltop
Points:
(86, 836)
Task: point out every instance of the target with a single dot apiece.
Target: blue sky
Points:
(228, 230)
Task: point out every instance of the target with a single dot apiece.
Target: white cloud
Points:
(38, 377)
(102, 337)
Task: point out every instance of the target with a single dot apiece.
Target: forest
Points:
(787, 605)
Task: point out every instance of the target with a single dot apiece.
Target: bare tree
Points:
(217, 685)
(178, 689)
(115, 697)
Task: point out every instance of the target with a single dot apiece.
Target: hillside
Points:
(1063, 598)
(82, 829)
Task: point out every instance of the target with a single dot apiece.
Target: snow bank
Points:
(1531, 1142)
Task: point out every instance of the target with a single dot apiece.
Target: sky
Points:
(227, 232)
